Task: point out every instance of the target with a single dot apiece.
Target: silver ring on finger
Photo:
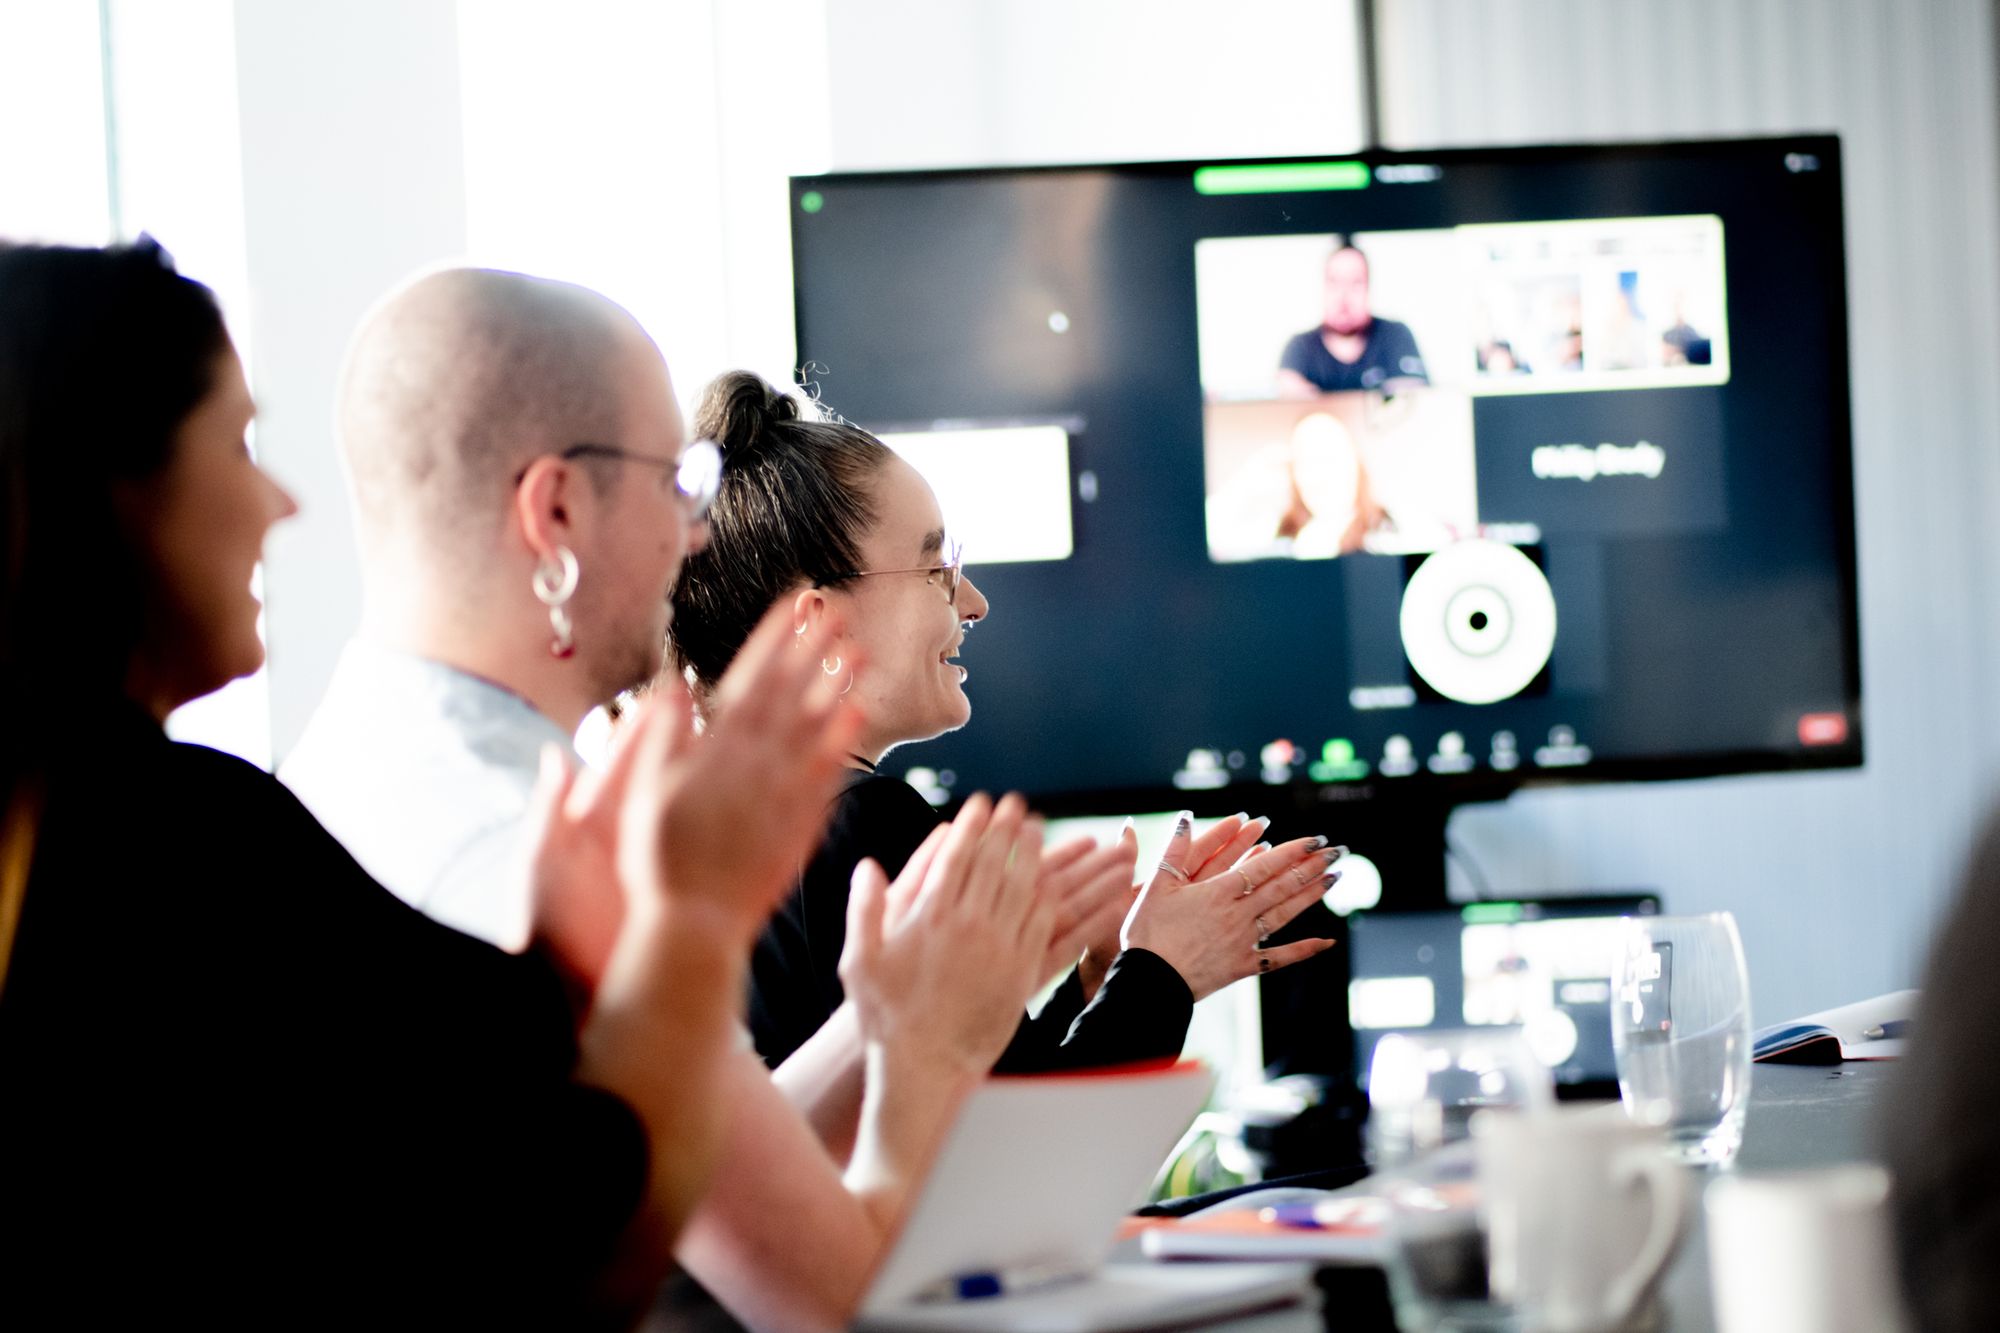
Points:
(1263, 932)
(1175, 871)
(1248, 887)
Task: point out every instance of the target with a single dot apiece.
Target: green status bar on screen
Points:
(1488, 914)
(1281, 177)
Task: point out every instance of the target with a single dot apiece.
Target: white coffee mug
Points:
(1582, 1209)
(1803, 1252)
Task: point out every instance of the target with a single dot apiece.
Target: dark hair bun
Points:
(737, 410)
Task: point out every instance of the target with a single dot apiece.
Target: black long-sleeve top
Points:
(1141, 1011)
(242, 1082)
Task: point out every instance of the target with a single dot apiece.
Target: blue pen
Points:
(1308, 1216)
(985, 1283)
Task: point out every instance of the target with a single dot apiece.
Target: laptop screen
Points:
(1544, 966)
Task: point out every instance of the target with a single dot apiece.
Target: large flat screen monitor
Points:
(1413, 476)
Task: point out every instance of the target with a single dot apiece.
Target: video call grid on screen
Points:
(1625, 363)
(1292, 437)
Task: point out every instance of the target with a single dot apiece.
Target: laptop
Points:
(1540, 964)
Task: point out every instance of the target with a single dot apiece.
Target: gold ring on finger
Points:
(1248, 887)
(1175, 871)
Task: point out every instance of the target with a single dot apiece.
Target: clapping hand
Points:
(1093, 889)
(713, 827)
(1209, 914)
(578, 903)
(946, 981)
(1214, 850)
(735, 812)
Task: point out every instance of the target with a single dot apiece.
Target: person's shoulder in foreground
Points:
(1939, 1133)
(277, 1064)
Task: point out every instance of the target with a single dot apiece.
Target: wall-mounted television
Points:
(1401, 477)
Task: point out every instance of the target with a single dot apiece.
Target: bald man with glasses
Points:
(524, 501)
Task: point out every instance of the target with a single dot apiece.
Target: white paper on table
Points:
(1036, 1174)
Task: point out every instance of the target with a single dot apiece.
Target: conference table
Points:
(1800, 1116)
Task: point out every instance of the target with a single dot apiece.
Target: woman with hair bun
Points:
(823, 515)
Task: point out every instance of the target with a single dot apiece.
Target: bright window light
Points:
(642, 150)
(178, 166)
(56, 188)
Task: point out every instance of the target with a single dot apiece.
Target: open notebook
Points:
(1030, 1186)
(1866, 1030)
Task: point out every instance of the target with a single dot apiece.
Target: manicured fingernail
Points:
(1330, 878)
(1260, 847)
(1183, 822)
(1261, 822)
(1127, 828)
(1333, 854)
(1241, 816)
(1319, 840)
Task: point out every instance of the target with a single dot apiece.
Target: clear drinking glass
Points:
(1424, 1087)
(1437, 1253)
(1680, 1024)
(1423, 1090)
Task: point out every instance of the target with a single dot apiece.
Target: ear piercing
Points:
(833, 671)
(554, 584)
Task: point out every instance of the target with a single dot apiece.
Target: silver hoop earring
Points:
(830, 672)
(554, 584)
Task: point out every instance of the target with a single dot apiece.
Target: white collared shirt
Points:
(425, 773)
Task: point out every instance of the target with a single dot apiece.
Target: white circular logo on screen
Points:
(1478, 621)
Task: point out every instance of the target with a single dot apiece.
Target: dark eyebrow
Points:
(933, 543)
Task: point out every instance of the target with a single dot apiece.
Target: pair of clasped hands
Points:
(707, 832)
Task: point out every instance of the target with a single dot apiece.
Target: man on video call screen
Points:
(1352, 348)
